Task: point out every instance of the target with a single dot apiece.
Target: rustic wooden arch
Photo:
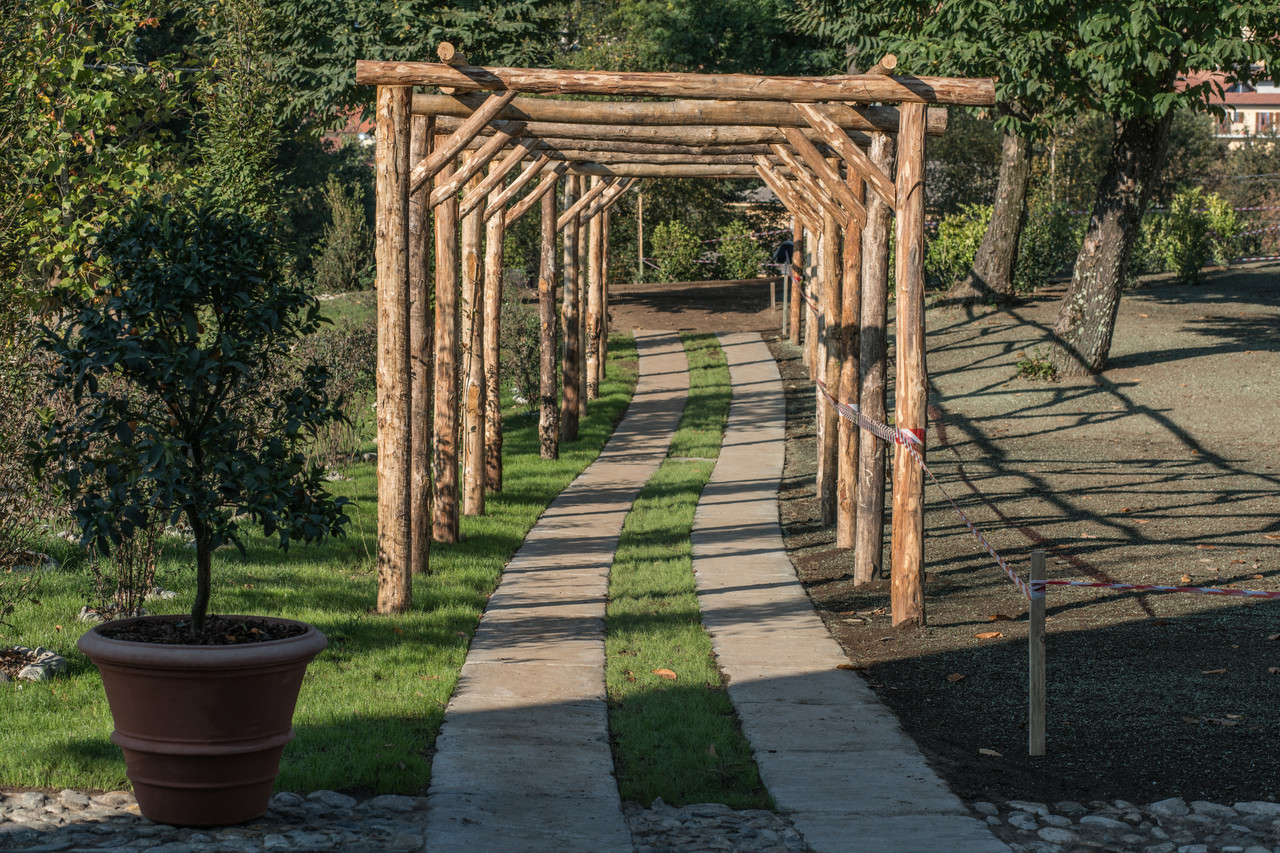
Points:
(823, 145)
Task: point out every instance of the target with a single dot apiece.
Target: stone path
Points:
(523, 760)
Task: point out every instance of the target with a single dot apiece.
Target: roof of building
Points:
(1267, 94)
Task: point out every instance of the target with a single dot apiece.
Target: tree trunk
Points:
(991, 279)
(549, 414)
(1087, 315)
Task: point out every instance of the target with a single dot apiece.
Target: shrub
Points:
(345, 259)
(677, 251)
(1036, 366)
(950, 253)
(1182, 240)
(519, 341)
(125, 576)
(740, 255)
(1226, 240)
(1050, 239)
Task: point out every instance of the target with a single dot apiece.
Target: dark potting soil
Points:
(218, 631)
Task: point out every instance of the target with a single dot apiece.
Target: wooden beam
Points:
(785, 192)
(547, 184)
(531, 171)
(392, 245)
(444, 457)
(457, 140)
(662, 170)
(494, 179)
(676, 113)
(610, 158)
(477, 161)
(578, 206)
(854, 156)
(609, 197)
(827, 176)
(816, 193)
(592, 134)
(420, 323)
(977, 92)
(887, 63)
(912, 382)
(548, 410)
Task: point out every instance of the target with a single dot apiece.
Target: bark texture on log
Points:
(595, 294)
(848, 362)
(991, 279)
(571, 352)
(472, 310)
(868, 546)
(524, 205)
(911, 382)
(494, 236)
(394, 437)
(1087, 316)
(828, 369)
(866, 88)
(444, 459)
(797, 282)
(420, 335)
(548, 409)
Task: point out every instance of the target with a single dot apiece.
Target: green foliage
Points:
(1036, 366)
(345, 259)
(964, 163)
(520, 336)
(86, 125)
(1195, 230)
(1050, 239)
(348, 355)
(950, 253)
(240, 132)
(677, 251)
(740, 255)
(165, 360)
(1226, 240)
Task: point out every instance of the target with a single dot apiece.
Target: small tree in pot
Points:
(166, 361)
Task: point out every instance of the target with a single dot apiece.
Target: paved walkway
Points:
(523, 759)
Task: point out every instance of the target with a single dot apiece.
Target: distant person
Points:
(782, 254)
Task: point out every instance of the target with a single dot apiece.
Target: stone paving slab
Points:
(523, 759)
(834, 759)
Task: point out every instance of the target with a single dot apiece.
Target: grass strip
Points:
(675, 733)
(372, 703)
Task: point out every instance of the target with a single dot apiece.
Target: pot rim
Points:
(109, 650)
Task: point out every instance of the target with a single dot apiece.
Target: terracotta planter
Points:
(202, 727)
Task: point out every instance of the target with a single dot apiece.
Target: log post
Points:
(549, 414)
(594, 294)
(472, 363)
(911, 382)
(444, 459)
(827, 363)
(868, 549)
(797, 280)
(494, 237)
(847, 438)
(571, 351)
(640, 238)
(813, 283)
(605, 216)
(583, 257)
(1036, 662)
(394, 437)
(420, 357)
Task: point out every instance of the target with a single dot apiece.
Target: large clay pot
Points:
(202, 727)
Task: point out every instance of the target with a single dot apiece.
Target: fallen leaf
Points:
(1185, 578)
(1144, 315)
(1257, 577)
(984, 751)
(1087, 536)
(1270, 536)
(1143, 520)
(1273, 669)
(1126, 509)
(1234, 716)
(1190, 719)
(1207, 547)
(429, 677)
(229, 638)
(631, 676)
(59, 628)
(397, 630)
(988, 635)
(852, 667)
(999, 617)
(1274, 637)
(671, 676)
(1212, 671)
(1218, 722)
(711, 750)
(954, 677)
(461, 633)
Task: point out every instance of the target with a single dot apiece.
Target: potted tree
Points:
(168, 358)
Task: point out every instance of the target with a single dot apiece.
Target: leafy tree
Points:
(1123, 60)
(677, 251)
(164, 360)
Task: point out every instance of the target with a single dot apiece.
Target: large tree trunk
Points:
(1087, 315)
(991, 279)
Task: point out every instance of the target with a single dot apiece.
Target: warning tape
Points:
(1260, 258)
(913, 441)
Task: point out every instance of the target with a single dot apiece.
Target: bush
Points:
(519, 341)
(1050, 239)
(1226, 240)
(950, 253)
(740, 255)
(345, 259)
(1182, 240)
(677, 251)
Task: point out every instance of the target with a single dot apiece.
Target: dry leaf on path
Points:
(1143, 520)
(1271, 536)
(984, 751)
(665, 673)
(852, 667)
(711, 750)
(1212, 671)
(988, 635)
(955, 676)
(1207, 547)
(999, 617)
(1185, 579)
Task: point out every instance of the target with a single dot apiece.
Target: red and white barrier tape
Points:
(1261, 258)
(1199, 590)
(913, 441)
(747, 236)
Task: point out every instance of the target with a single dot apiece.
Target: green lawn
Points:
(372, 703)
(675, 733)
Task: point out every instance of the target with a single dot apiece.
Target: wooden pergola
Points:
(825, 146)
